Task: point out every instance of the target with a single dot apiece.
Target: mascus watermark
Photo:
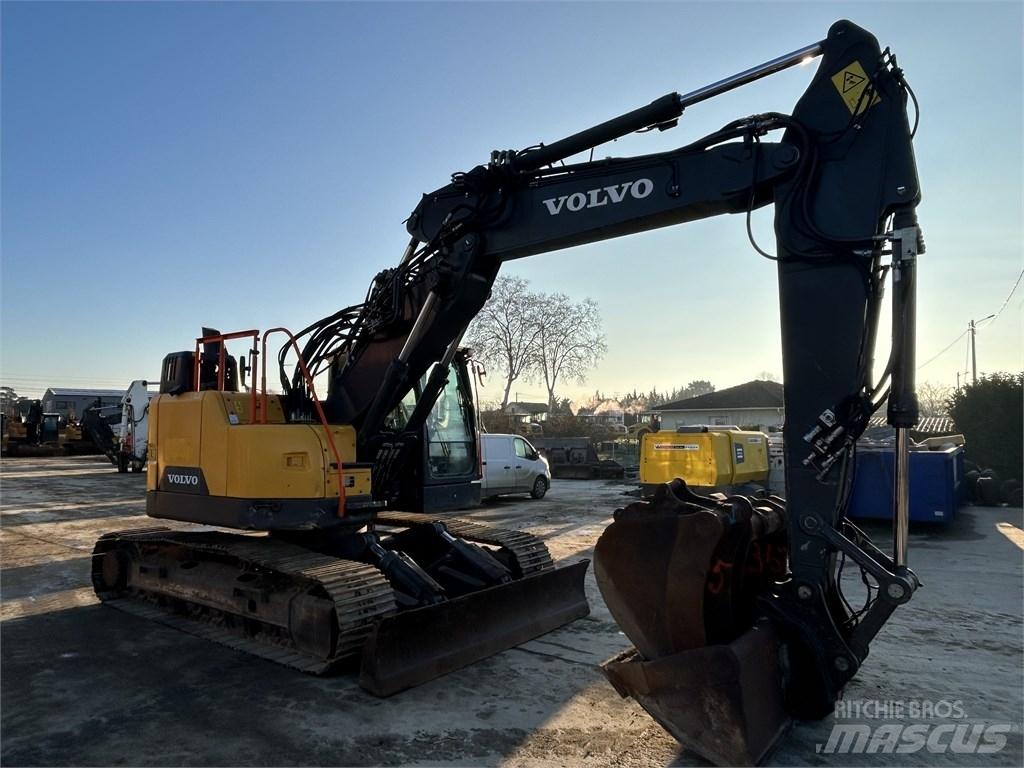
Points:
(960, 738)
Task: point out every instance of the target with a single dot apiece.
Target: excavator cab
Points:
(446, 473)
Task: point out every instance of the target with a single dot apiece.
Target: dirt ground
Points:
(88, 685)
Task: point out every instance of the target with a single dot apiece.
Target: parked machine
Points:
(576, 458)
(121, 431)
(134, 427)
(36, 433)
(343, 571)
(712, 592)
(102, 424)
(705, 458)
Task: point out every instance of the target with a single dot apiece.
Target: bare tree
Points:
(933, 399)
(570, 341)
(505, 332)
(768, 376)
(697, 388)
(8, 397)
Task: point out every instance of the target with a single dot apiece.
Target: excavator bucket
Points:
(723, 702)
(680, 576)
(415, 646)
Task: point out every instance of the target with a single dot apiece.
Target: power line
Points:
(945, 349)
(991, 318)
(1008, 297)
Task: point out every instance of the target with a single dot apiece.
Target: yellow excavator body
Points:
(213, 431)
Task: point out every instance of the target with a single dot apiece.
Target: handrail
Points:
(264, 403)
(316, 401)
(222, 359)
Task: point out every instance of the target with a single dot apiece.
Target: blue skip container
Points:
(936, 484)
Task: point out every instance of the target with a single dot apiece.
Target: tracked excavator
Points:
(734, 604)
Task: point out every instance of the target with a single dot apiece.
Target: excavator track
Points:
(128, 566)
(313, 612)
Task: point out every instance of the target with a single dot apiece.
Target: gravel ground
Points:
(87, 685)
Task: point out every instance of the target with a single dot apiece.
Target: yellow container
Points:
(704, 459)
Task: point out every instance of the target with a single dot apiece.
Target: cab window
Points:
(451, 445)
(451, 441)
(520, 447)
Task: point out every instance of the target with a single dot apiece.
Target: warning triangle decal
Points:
(850, 81)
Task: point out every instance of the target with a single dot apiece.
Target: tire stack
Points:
(986, 489)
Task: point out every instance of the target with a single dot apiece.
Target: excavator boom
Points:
(844, 185)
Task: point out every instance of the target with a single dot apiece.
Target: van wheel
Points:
(540, 487)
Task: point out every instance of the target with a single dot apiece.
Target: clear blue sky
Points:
(166, 166)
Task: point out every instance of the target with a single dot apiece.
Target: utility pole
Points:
(974, 348)
(974, 354)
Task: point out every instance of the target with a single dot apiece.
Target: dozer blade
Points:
(415, 646)
(723, 702)
(680, 575)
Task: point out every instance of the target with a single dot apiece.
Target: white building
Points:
(72, 403)
(527, 412)
(756, 405)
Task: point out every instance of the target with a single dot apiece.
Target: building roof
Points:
(932, 425)
(67, 392)
(753, 394)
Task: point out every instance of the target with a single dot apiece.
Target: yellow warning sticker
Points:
(851, 83)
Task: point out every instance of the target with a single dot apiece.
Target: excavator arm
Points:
(844, 185)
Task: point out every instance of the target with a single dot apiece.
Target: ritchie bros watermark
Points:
(892, 729)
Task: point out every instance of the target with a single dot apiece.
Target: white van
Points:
(511, 465)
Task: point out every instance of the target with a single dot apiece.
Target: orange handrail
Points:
(221, 359)
(316, 401)
(264, 403)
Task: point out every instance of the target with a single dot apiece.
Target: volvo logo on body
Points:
(595, 198)
(183, 480)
